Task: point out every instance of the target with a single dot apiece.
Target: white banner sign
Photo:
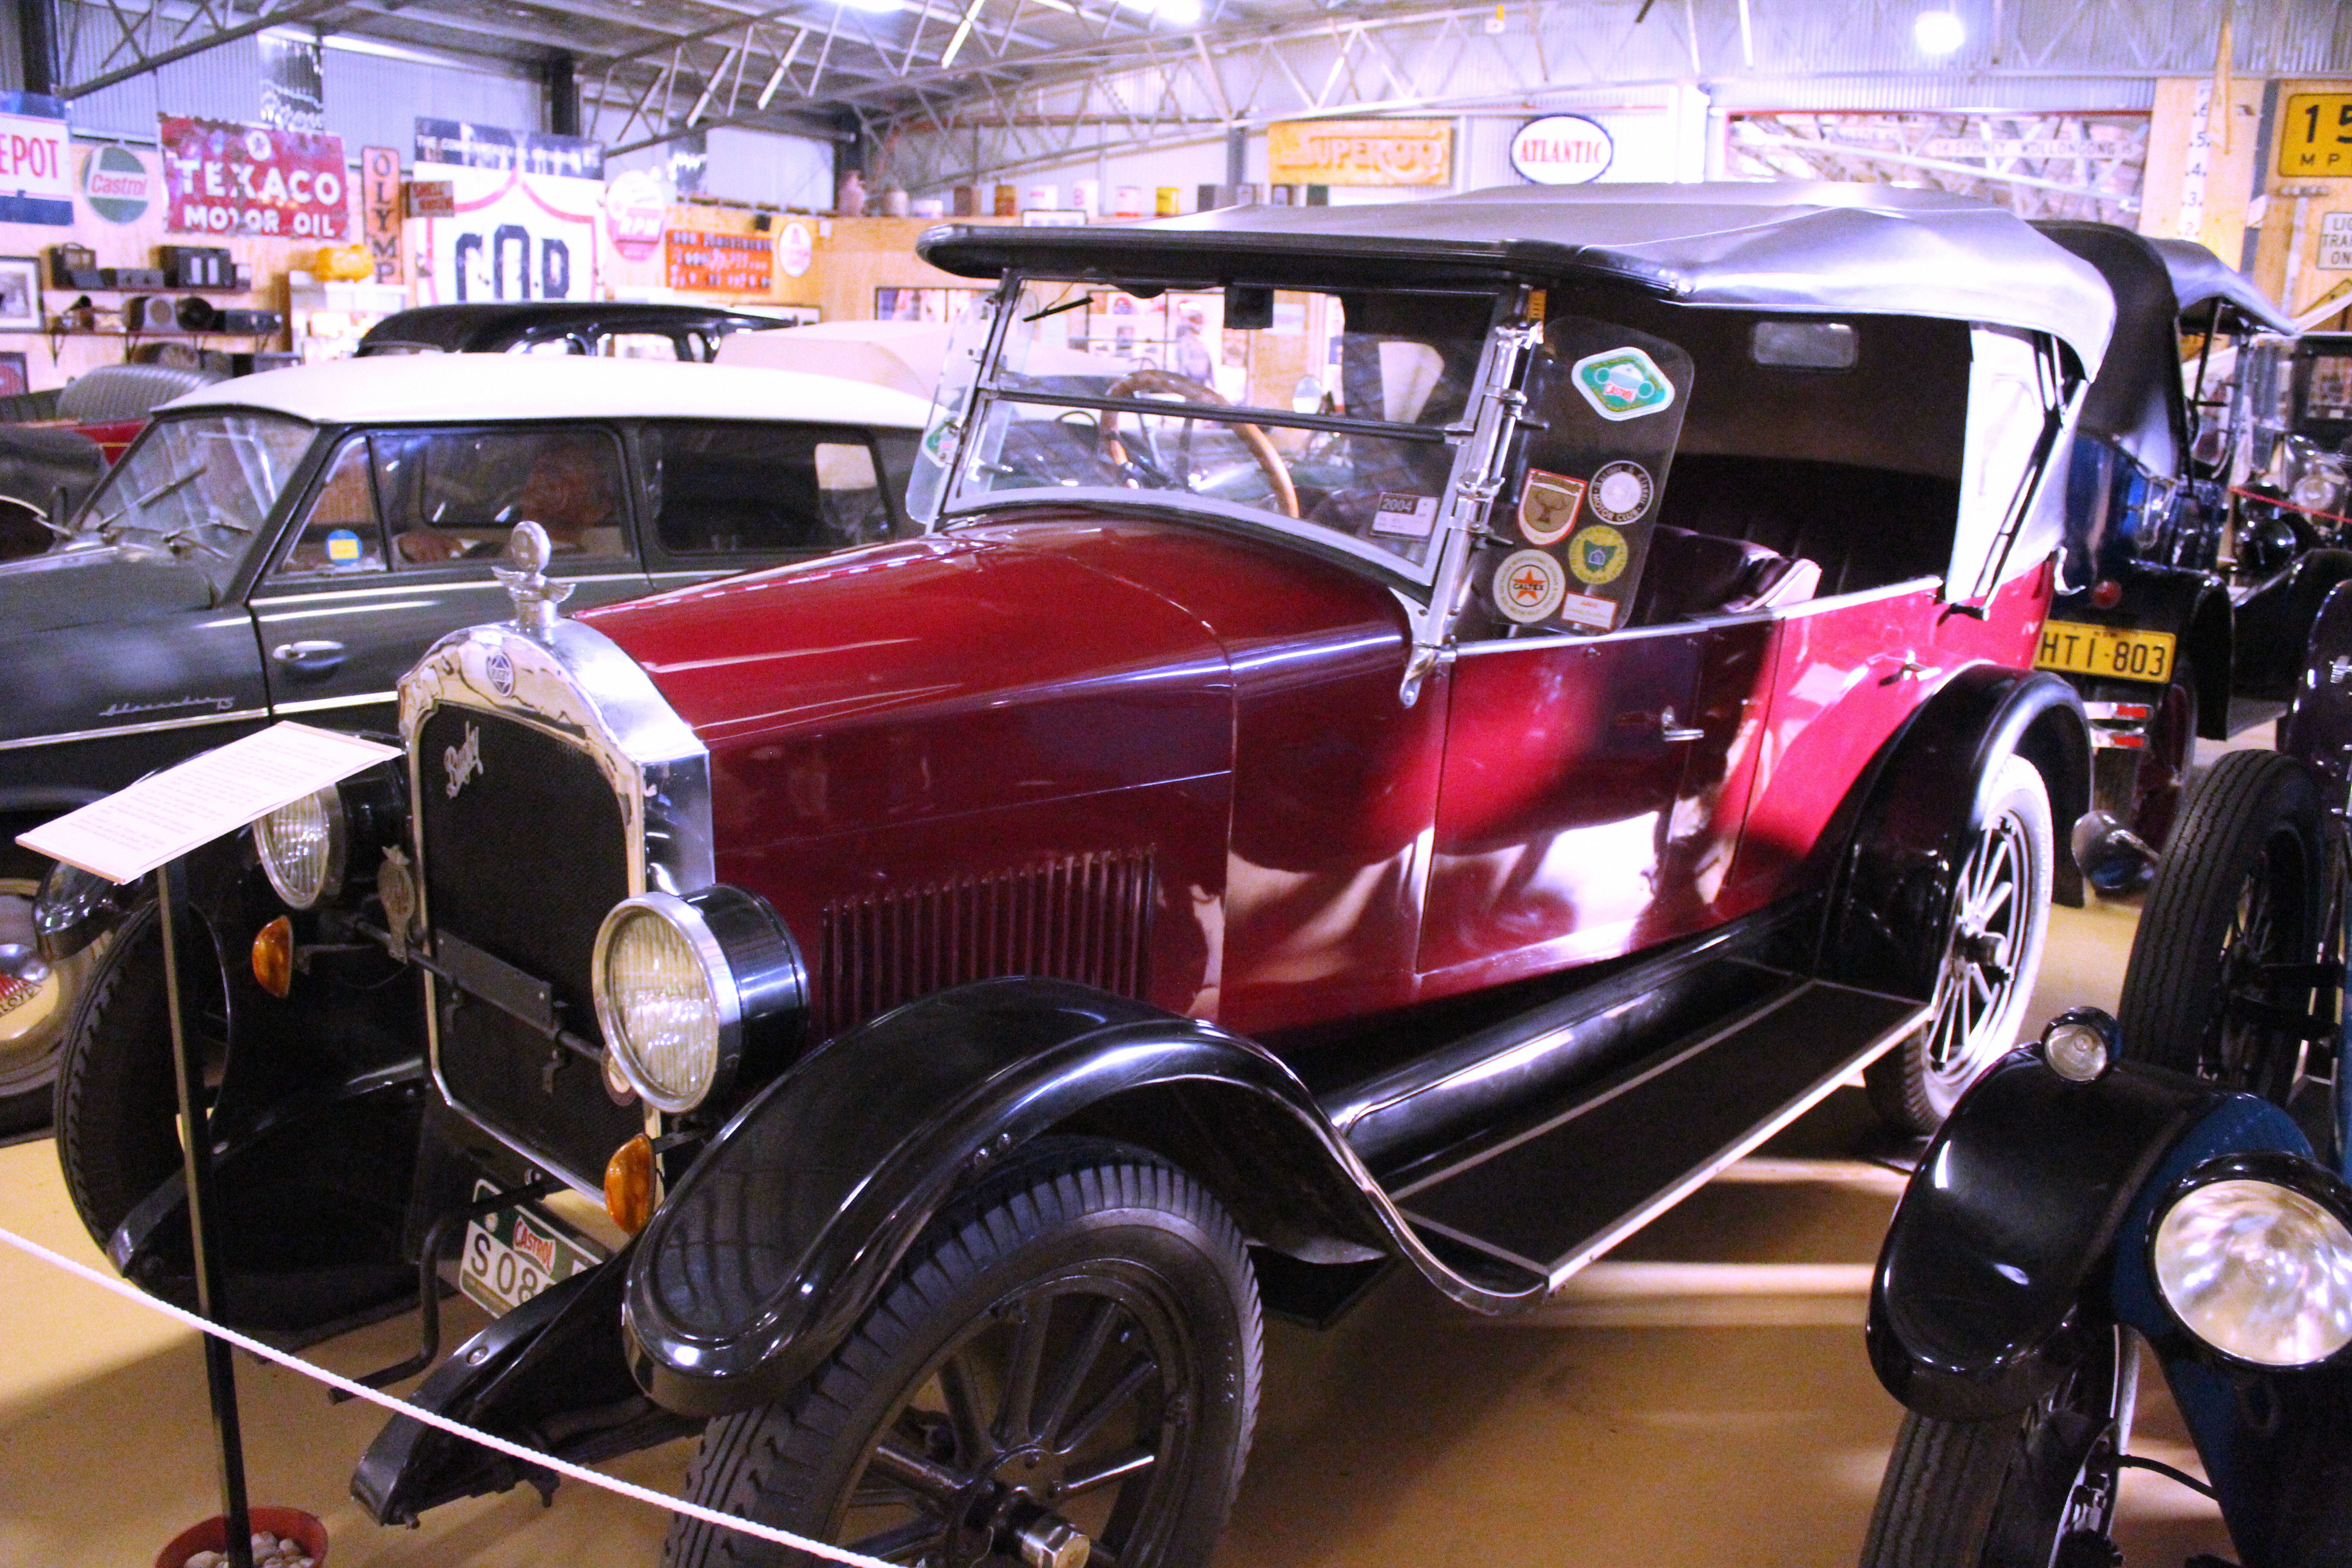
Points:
(511, 236)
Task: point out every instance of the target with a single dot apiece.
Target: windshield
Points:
(197, 490)
(1336, 416)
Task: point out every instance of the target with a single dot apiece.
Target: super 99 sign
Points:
(223, 178)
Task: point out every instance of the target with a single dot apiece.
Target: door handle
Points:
(309, 660)
(1671, 734)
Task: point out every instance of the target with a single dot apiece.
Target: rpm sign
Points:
(1562, 150)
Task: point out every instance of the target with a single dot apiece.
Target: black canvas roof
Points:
(2199, 277)
(493, 326)
(1813, 247)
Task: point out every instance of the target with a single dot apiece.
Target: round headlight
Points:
(302, 848)
(2317, 491)
(685, 986)
(2257, 1271)
(659, 1002)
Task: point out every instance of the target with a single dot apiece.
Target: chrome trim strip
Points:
(155, 727)
(321, 704)
(413, 586)
(1747, 618)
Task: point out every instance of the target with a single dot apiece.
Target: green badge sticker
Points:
(1598, 555)
(1622, 383)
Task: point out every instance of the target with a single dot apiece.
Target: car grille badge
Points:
(535, 598)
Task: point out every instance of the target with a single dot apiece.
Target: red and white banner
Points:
(223, 178)
(511, 236)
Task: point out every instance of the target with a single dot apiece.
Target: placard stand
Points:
(152, 827)
(177, 916)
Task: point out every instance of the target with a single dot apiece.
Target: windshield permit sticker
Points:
(1598, 555)
(1622, 383)
(1404, 515)
(344, 548)
(1622, 493)
(1527, 586)
(1584, 610)
(1547, 506)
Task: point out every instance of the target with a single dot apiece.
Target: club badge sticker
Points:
(1622, 493)
(1527, 586)
(1547, 506)
(1622, 383)
(1598, 555)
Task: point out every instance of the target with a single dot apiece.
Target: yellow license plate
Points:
(2074, 649)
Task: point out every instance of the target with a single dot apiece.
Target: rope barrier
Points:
(563, 1467)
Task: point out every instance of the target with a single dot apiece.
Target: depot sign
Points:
(223, 178)
(1562, 150)
(35, 170)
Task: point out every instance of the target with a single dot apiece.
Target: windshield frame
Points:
(233, 570)
(965, 499)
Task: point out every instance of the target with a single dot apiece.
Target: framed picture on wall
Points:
(20, 294)
(16, 377)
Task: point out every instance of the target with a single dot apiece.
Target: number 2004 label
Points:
(2077, 650)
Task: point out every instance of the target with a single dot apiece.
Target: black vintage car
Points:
(2157, 620)
(2176, 1179)
(562, 326)
(286, 544)
(2295, 402)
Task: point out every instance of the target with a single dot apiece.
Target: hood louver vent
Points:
(1085, 918)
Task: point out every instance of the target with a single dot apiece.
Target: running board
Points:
(1554, 1191)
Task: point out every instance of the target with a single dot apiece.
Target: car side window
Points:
(456, 495)
(726, 488)
(342, 534)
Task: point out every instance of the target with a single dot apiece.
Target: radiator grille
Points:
(1085, 918)
(523, 861)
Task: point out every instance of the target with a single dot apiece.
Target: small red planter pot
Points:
(211, 1535)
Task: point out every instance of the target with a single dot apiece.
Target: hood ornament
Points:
(535, 598)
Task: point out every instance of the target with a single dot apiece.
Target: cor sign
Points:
(1562, 150)
(223, 178)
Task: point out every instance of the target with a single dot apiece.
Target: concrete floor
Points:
(1700, 1397)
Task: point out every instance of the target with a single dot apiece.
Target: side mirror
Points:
(2111, 856)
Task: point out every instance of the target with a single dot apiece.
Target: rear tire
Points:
(2000, 919)
(2008, 1493)
(2244, 885)
(1129, 1289)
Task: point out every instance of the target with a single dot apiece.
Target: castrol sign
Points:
(1562, 150)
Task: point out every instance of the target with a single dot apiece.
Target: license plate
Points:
(2111, 651)
(516, 1253)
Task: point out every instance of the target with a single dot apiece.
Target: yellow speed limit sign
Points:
(2316, 135)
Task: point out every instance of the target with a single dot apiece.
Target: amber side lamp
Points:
(273, 957)
(629, 1185)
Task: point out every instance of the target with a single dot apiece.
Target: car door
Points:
(1571, 824)
(396, 545)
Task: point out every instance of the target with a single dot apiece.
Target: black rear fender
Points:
(2009, 1233)
(788, 1227)
(1921, 806)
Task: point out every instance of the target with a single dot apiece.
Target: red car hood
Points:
(933, 624)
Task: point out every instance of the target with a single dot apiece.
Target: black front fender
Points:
(788, 1227)
(1923, 805)
(2008, 1234)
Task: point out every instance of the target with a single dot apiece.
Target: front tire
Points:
(2000, 919)
(1075, 1341)
(2241, 892)
(2036, 1490)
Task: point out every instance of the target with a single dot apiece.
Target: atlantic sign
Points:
(1562, 150)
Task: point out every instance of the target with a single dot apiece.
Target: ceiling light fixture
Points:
(1939, 33)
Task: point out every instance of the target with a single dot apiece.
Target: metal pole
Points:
(196, 1139)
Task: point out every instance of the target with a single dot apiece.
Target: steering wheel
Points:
(1152, 379)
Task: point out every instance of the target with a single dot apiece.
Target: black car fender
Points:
(1921, 804)
(2275, 620)
(2006, 1240)
(2193, 607)
(789, 1225)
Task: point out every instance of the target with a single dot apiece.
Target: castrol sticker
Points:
(1547, 505)
(1527, 586)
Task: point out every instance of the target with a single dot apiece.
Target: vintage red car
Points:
(1415, 734)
